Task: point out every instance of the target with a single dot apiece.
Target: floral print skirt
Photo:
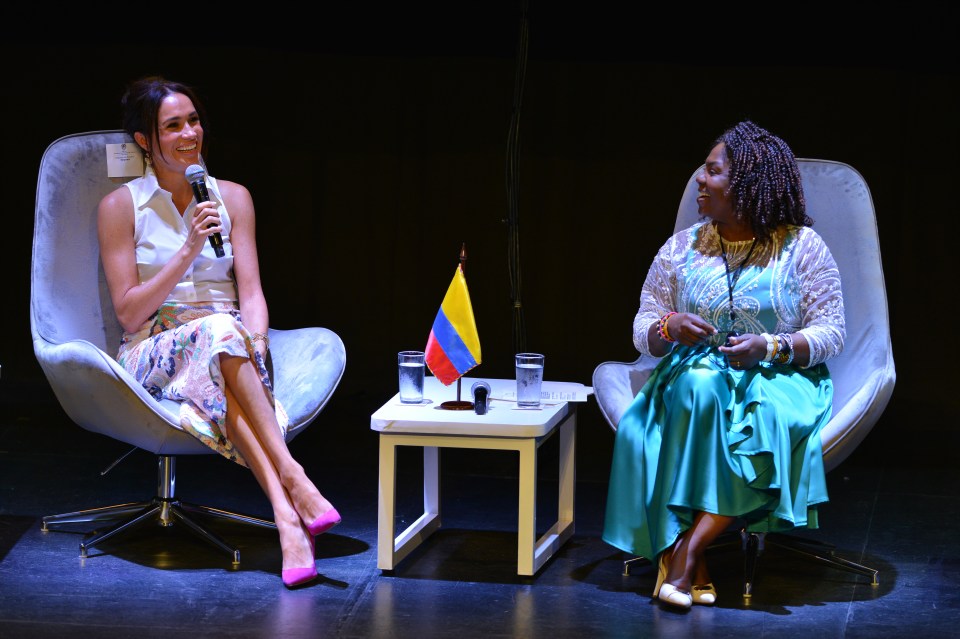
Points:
(175, 356)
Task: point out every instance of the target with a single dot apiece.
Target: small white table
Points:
(505, 426)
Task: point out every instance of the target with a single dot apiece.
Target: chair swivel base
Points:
(164, 509)
(753, 545)
(165, 512)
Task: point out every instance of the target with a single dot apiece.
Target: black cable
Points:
(513, 188)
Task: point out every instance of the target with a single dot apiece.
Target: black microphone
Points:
(481, 396)
(195, 174)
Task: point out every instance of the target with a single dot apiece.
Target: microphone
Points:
(480, 391)
(195, 174)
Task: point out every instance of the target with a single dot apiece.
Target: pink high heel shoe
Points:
(324, 522)
(293, 577)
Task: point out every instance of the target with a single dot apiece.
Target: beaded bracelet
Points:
(662, 327)
(785, 354)
(261, 337)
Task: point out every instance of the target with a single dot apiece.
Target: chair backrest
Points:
(69, 298)
(841, 206)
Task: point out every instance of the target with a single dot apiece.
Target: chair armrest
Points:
(616, 384)
(854, 420)
(308, 364)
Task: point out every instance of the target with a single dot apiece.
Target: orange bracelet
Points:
(662, 327)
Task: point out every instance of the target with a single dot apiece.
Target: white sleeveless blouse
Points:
(160, 231)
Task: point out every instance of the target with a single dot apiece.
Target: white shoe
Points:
(670, 594)
(704, 594)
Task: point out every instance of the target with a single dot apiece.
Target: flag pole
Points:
(459, 404)
(463, 268)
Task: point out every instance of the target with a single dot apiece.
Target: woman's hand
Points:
(206, 222)
(744, 351)
(689, 329)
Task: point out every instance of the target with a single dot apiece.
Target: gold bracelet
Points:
(261, 337)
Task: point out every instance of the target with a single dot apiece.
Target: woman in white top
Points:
(195, 324)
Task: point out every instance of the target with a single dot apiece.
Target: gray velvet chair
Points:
(76, 334)
(840, 203)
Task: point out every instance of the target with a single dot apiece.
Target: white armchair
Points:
(839, 201)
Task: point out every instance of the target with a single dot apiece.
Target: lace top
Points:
(790, 284)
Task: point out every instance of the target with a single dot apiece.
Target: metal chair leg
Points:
(752, 549)
(629, 562)
(753, 546)
(94, 514)
(165, 509)
(124, 526)
(226, 514)
(822, 552)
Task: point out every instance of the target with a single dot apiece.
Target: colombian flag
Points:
(453, 347)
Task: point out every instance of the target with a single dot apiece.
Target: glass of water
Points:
(411, 367)
(529, 378)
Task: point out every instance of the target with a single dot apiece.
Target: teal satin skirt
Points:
(701, 436)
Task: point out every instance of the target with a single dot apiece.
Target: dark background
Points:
(374, 143)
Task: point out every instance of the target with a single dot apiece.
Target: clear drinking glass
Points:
(529, 378)
(411, 366)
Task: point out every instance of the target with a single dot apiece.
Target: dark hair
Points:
(141, 106)
(764, 178)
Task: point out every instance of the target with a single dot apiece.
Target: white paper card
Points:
(550, 392)
(564, 391)
(124, 160)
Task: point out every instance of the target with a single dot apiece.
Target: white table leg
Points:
(551, 541)
(386, 504)
(568, 439)
(431, 481)
(391, 550)
(527, 521)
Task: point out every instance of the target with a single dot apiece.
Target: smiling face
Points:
(713, 188)
(180, 136)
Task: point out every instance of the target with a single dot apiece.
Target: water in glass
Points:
(529, 379)
(412, 369)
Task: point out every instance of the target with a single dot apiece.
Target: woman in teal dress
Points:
(744, 307)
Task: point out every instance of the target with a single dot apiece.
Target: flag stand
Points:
(459, 404)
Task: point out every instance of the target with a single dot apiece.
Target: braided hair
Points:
(764, 179)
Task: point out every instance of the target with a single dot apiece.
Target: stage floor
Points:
(893, 512)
